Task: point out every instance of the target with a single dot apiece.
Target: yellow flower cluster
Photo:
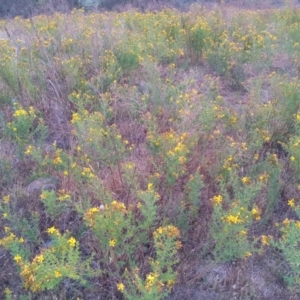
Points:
(88, 173)
(90, 216)
(63, 195)
(151, 279)
(169, 230)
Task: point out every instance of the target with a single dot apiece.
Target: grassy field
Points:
(150, 155)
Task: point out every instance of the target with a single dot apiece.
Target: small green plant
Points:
(55, 204)
(157, 283)
(229, 227)
(53, 264)
(288, 244)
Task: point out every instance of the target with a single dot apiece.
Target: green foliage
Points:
(289, 244)
(175, 122)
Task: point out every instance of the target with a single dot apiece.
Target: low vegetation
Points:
(150, 155)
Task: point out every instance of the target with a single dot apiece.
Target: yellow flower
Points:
(265, 240)
(292, 158)
(243, 233)
(285, 221)
(217, 199)
(39, 259)
(20, 112)
(263, 177)
(120, 287)
(43, 195)
(112, 243)
(57, 160)
(231, 219)
(57, 274)
(52, 230)
(256, 213)
(247, 254)
(150, 186)
(170, 282)
(150, 278)
(291, 202)
(6, 199)
(273, 158)
(246, 180)
(75, 118)
(63, 195)
(29, 150)
(71, 241)
(17, 258)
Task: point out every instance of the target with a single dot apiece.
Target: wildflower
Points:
(246, 180)
(120, 287)
(87, 172)
(217, 199)
(265, 240)
(233, 120)
(52, 230)
(292, 158)
(263, 177)
(29, 150)
(39, 259)
(150, 186)
(173, 231)
(118, 206)
(57, 160)
(6, 199)
(150, 279)
(247, 254)
(243, 233)
(20, 112)
(112, 243)
(178, 245)
(63, 195)
(273, 158)
(75, 118)
(72, 241)
(170, 282)
(291, 202)
(232, 219)
(57, 274)
(286, 221)
(256, 213)
(17, 258)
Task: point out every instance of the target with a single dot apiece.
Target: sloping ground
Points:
(146, 156)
